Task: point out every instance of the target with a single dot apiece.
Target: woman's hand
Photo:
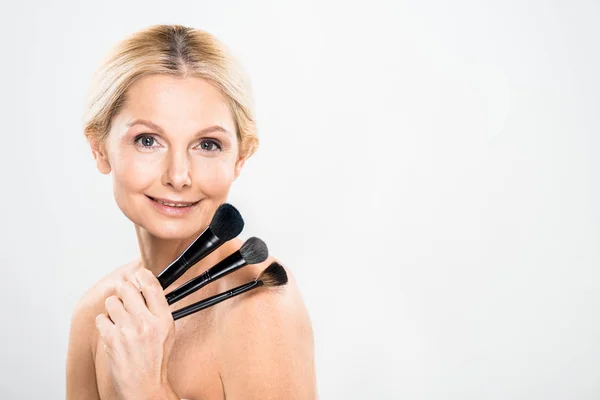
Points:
(138, 337)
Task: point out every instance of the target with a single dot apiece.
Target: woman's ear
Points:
(239, 164)
(100, 155)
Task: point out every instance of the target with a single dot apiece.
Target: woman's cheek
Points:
(137, 172)
(214, 176)
(132, 176)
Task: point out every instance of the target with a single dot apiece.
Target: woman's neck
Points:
(157, 253)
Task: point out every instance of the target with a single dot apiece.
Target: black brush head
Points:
(273, 275)
(227, 222)
(254, 251)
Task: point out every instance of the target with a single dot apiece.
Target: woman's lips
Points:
(170, 210)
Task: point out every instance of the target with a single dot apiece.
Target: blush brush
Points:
(273, 276)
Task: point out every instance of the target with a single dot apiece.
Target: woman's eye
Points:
(210, 145)
(144, 141)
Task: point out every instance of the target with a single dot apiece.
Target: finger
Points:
(116, 310)
(132, 299)
(105, 328)
(153, 293)
(130, 276)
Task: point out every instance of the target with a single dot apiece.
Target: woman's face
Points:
(174, 141)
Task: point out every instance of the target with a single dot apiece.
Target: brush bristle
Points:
(254, 251)
(227, 222)
(274, 275)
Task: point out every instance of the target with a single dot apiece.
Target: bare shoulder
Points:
(93, 299)
(269, 303)
(80, 370)
(91, 302)
(267, 333)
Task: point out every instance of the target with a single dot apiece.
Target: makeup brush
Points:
(253, 251)
(273, 275)
(226, 224)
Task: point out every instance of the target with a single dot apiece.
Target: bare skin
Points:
(256, 346)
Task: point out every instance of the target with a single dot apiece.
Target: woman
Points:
(170, 118)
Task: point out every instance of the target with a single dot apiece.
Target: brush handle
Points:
(229, 264)
(188, 288)
(205, 243)
(211, 301)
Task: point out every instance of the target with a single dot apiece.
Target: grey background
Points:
(428, 170)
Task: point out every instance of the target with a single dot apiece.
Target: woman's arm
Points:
(267, 351)
(81, 373)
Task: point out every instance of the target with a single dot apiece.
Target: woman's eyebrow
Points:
(152, 125)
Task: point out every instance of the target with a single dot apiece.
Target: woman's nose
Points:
(177, 173)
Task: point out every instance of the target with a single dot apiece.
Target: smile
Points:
(173, 207)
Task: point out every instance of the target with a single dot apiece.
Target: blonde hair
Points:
(174, 50)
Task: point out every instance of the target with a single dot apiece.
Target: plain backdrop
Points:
(427, 169)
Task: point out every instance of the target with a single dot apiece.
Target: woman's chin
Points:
(173, 231)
